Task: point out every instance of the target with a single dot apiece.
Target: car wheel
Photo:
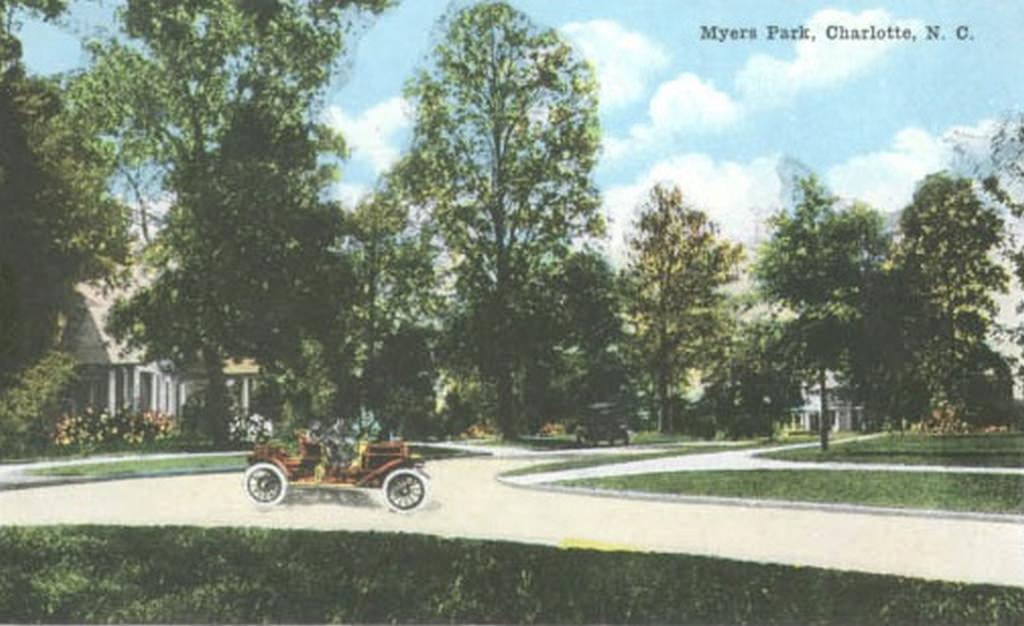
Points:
(265, 484)
(405, 491)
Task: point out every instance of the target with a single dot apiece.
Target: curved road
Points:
(468, 501)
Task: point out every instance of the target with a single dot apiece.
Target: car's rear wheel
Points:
(265, 484)
(406, 490)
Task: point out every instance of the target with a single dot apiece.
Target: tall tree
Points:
(817, 263)
(222, 97)
(58, 224)
(393, 256)
(945, 252)
(678, 264)
(1003, 181)
(505, 139)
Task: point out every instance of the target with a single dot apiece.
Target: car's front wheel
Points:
(265, 484)
(406, 490)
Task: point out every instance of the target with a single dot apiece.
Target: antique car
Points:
(386, 465)
(602, 422)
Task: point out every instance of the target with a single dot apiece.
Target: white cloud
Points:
(624, 60)
(349, 193)
(374, 135)
(886, 179)
(685, 104)
(738, 196)
(768, 80)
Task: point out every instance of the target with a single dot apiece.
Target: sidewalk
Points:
(746, 459)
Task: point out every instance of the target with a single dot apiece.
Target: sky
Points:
(871, 118)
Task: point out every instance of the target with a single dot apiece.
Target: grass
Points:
(115, 448)
(246, 575)
(146, 466)
(911, 490)
(611, 459)
(220, 462)
(991, 450)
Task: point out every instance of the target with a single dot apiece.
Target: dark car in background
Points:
(602, 421)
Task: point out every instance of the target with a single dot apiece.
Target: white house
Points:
(842, 414)
(113, 377)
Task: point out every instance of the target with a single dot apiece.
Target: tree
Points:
(678, 264)
(393, 257)
(576, 344)
(755, 388)
(817, 263)
(945, 252)
(222, 97)
(882, 364)
(1003, 181)
(58, 224)
(505, 138)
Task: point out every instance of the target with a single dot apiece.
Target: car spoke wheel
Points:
(265, 484)
(405, 490)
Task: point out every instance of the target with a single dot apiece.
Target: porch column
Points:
(136, 388)
(154, 392)
(182, 396)
(246, 382)
(112, 390)
(126, 390)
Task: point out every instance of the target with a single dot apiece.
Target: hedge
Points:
(178, 574)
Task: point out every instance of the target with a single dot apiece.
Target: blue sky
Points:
(871, 118)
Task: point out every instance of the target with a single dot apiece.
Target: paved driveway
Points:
(469, 501)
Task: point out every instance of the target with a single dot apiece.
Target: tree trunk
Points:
(823, 423)
(664, 405)
(507, 422)
(217, 408)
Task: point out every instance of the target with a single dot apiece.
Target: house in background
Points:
(113, 377)
(842, 414)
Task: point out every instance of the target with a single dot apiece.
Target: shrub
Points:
(100, 427)
(234, 575)
(28, 407)
(942, 422)
(251, 429)
(479, 430)
(552, 429)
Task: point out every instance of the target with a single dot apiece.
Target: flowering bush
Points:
(254, 428)
(552, 429)
(92, 427)
(478, 431)
(942, 422)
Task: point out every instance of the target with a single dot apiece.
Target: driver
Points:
(338, 442)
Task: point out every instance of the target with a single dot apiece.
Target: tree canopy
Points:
(504, 142)
(222, 97)
(817, 264)
(677, 267)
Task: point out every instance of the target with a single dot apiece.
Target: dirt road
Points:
(468, 502)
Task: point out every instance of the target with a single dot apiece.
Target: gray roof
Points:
(86, 337)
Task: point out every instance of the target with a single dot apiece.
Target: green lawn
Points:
(912, 490)
(611, 459)
(144, 466)
(119, 448)
(168, 574)
(995, 450)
